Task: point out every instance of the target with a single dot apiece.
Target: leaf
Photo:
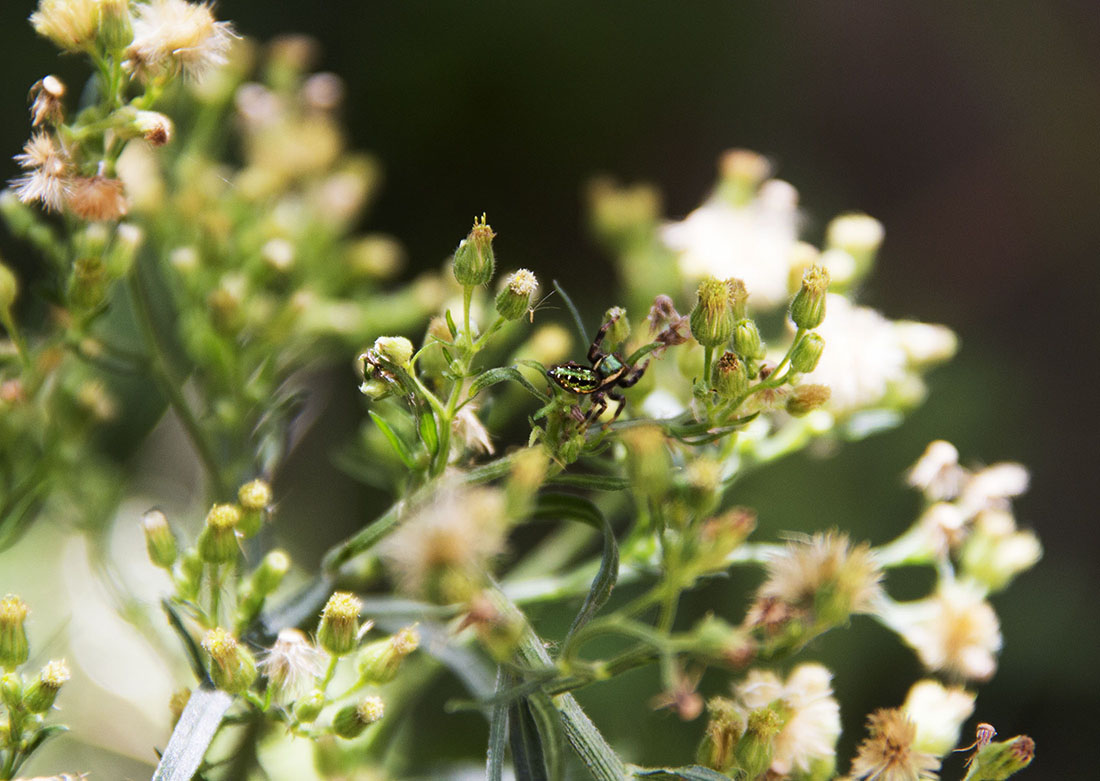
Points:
(428, 431)
(193, 733)
(498, 731)
(573, 311)
(548, 721)
(391, 436)
(554, 505)
(194, 655)
(686, 773)
(501, 374)
(591, 482)
(451, 324)
(527, 754)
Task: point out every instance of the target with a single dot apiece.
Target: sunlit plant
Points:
(211, 276)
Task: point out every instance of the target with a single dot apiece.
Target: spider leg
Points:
(599, 407)
(616, 396)
(632, 378)
(594, 351)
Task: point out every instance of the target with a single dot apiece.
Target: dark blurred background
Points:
(972, 131)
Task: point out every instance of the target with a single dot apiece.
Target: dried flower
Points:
(470, 431)
(826, 576)
(97, 198)
(888, 753)
(46, 106)
(47, 177)
(292, 664)
(174, 36)
(445, 544)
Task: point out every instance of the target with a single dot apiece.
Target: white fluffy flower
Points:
(938, 713)
(292, 664)
(175, 36)
(954, 630)
(753, 242)
(811, 730)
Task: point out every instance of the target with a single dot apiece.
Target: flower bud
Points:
(154, 127)
(396, 349)
(998, 761)
(11, 690)
(619, 330)
(473, 260)
(233, 669)
(160, 542)
(730, 376)
(859, 235)
(308, 708)
(42, 691)
(116, 30)
(742, 173)
(71, 25)
(746, 340)
(379, 661)
(715, 639)
(254, 498)
(739, 297)
(263, 580)
(339, 628)
(648, 462)
(9, 288)
(351, 720)
(218, 539)
(804, 399)
(514, 299)
(725, 726)
(87, 287)
(808, 306)
(807, 353)
(754, 750)
(14, 648)
(712, 319)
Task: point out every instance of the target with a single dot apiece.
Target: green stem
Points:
(467, 297)
(708, 354)
(169, 385)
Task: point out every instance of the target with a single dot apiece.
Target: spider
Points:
(608, 371)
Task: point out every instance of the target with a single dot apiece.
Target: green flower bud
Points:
(9, 287)
(806, 398)
(379, 661)
(232, 667)
(11, 690)
(42, 691)
(619, 330)
(746, 340)
(712, 319)
(730, 376)
(724, 728)
(263, 580)
(160, 542)
(473, 260)
(254, 498)
(998, 761)
(218, 539)
(754, 750)
(514, 299)
(116, 30)
(350, 721)
(807, 353)
(808, 306)
(14, 648)
(716, 639)
(739, 297)
(395, 349)
(339, 628)
(308, 708)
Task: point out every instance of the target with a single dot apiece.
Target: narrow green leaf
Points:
(451, 323)
(194, 655)
(428, 432)
(527, 754)
(574, 312)
(548, 721)
(498, 730)
(501, 374)
(391, 437)
(591, 482)
(579, 509)
(530, 364)
(192, 735)
(686, 773)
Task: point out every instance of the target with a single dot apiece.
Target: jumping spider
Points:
(608, 371)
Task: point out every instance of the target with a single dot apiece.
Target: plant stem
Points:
(169, 385)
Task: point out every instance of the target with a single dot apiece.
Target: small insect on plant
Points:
(607, 372)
